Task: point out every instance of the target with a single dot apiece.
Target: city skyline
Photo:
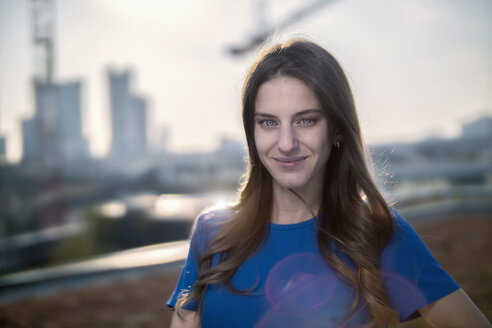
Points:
(430, 61)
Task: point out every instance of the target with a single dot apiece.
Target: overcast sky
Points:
(417, 68)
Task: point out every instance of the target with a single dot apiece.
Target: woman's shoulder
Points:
(411, 275)
(214, 217)
(401, 228)
(405, 242)
(208, 223)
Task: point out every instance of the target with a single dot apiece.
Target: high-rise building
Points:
(3, 149)
(47, 124)
(53, 137)
(73, 144)
(128, 118)
(137, 125)
(29, 140)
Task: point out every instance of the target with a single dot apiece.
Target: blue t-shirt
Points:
(293, 285)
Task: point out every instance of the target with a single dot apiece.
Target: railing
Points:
(32, 283)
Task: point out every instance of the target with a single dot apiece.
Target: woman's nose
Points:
(287, 140)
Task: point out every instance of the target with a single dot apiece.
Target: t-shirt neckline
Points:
(293, 226)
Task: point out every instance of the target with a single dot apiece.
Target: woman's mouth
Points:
(289, 162)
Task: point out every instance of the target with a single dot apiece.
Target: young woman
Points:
(311, 241)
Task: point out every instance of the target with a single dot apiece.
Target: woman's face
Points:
(292, 135)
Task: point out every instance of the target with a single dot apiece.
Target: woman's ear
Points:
(337, 138)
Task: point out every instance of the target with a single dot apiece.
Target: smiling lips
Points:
(289, 162)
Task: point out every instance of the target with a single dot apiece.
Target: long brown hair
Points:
(354, 214)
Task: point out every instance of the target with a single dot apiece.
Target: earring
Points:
(337, 144)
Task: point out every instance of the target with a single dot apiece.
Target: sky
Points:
(418, 69)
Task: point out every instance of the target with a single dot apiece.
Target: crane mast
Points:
(265, 29)
(43, 24)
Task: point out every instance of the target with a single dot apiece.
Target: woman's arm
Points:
(454, 310)
(189, 319)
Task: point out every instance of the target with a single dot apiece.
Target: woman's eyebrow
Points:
(265, 115)
(309, 111)
(303, 112)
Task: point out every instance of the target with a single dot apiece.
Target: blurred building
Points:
(3, 149)
(29, 140)
(478, 129)
(200, 171)
(457, 169)
(128, 118)
(159, 139)
(53, 138)
(73, 144)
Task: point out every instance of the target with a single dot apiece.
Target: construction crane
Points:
(265, 30)
(42, 24)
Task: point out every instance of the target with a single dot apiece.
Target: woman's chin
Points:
(291, 184)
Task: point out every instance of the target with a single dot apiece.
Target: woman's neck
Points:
(294, 206)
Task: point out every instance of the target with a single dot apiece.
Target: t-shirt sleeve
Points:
(412, 276)
(189, 273)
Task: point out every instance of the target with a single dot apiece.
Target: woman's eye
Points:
(307, 121)
(267, 123)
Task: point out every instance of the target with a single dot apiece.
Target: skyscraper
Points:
(3, 149)
(53, 137)
(128, 118)
(29, 140)
(73, 145)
